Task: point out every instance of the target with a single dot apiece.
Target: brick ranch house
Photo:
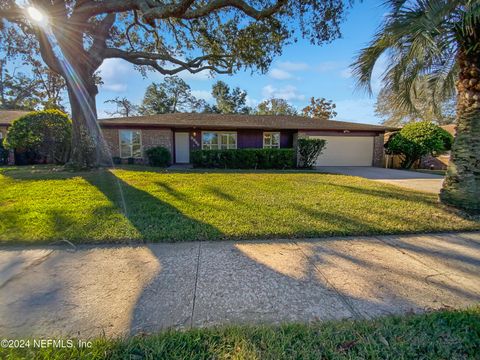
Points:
(348, 144)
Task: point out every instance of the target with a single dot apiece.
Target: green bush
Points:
(308, 151)
(3, 154)
(159, 156)
(116, 160)
(418, 139)
(44, 133)
(244, 158)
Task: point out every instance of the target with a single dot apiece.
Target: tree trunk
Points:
(461, 187)
(89, 148)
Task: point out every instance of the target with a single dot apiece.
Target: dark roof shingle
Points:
(7, 116)
(237, 121)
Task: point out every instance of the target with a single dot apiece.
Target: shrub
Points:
(418, 139)
(158, 156)
(244, 158)
(116, 160)
(309, 150)
(44, 133)
(3, 154)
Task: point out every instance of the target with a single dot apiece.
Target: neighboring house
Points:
(348, 144)
(6, 118)
(438, 162)
(427, 162)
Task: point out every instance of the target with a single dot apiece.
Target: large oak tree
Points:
(221, 36)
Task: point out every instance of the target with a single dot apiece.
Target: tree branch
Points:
(193, 66)
(152, 10)
(220, 4)
(47, 53)
(99, 42)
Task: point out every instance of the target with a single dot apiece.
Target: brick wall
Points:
(434, 163)
(378, 150)
(111, 137)
(150, 138)
(3, 130)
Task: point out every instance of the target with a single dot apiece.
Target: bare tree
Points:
(125, 107)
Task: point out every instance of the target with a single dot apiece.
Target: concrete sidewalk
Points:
(118, 290)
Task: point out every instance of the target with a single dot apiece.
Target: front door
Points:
(182, 147)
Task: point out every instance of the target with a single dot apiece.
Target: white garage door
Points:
(346, 151)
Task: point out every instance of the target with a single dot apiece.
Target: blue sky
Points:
(304, 70)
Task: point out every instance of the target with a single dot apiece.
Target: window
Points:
(130, 144)
(271, 140)
(219, 140)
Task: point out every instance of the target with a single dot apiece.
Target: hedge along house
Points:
(348, 144)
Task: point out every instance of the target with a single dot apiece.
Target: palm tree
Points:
(437, 41)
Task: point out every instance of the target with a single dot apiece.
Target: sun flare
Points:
(35, 14)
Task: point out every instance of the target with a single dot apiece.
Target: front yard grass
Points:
(437, 335)
(41, 205)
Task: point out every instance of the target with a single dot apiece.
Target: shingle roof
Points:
(200, 120)
(451, 128)
(7, 116)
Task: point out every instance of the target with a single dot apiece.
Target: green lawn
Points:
(438, 335)
(40, 204)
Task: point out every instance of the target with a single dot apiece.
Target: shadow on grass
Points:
(154, 219)
(221, 194)
(392, 193)
(150, 208)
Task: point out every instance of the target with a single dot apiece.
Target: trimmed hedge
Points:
(245, 158)
(159, 156)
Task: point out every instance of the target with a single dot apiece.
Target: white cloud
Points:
(327, 66)
(251, 102)
(115, 87)
(279, 74)
(202, 94)
(293, 66)
(102, 114)
(112, 72)
(288, 92)
(346, 73)
(202, 75)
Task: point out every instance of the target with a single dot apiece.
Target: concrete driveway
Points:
(117, 290)
(408, 179)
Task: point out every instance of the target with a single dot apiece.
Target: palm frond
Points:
(421, 40)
